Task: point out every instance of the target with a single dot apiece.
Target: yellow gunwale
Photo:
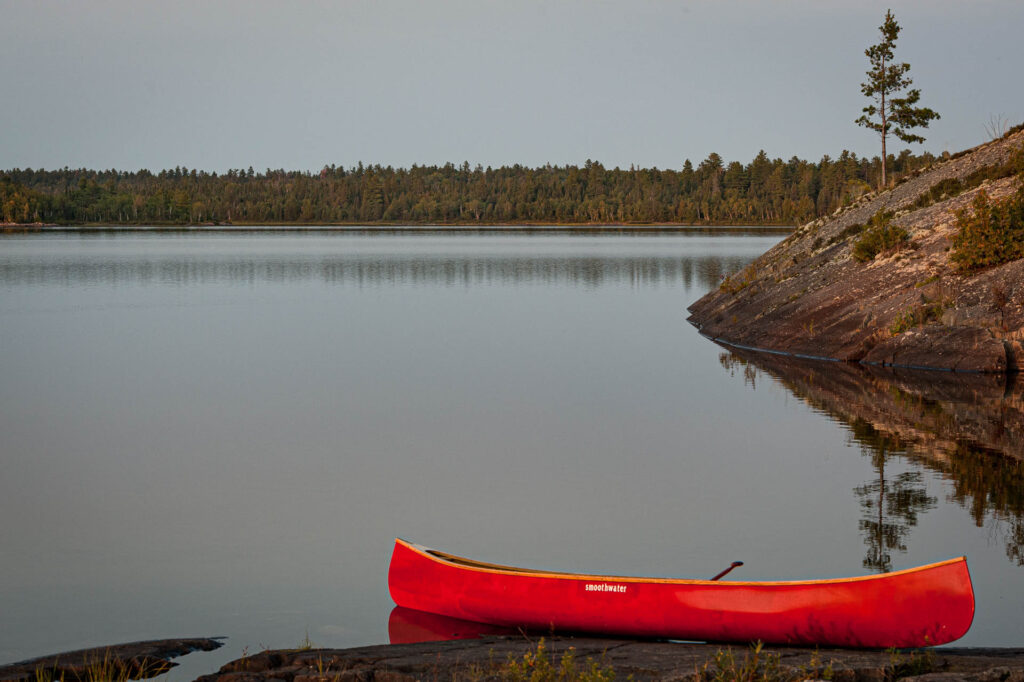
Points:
(484, 567)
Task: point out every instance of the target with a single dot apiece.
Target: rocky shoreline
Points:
(808, 296)
(482, 659)
(133, 660)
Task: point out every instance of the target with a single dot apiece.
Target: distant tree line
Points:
(762, 192)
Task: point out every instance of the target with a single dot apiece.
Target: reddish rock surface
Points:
(808, 296)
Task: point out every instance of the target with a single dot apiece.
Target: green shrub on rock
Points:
(879, 235)
(943, 189)
(991, 234)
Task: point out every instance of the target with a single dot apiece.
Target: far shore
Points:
(393, 227)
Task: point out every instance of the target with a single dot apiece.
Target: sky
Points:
(214, 85)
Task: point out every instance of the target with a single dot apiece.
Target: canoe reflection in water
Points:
(409, 626)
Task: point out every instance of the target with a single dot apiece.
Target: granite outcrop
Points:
(808, 295)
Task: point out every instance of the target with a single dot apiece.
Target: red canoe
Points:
(923, 606)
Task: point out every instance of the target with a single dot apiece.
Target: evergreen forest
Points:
(763, 192)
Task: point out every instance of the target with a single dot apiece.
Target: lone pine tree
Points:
(887, 79)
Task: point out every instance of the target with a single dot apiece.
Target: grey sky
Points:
(216, 85)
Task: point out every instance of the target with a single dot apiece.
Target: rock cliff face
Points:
(807, 296)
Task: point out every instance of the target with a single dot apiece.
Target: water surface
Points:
(222, 433)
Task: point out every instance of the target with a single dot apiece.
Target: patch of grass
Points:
(539, 665)
(106, 669)
(991, 234)
(306, 644)
(916, 663)
(943, 189)
(816, 670)
(1012, 166)
(44, 674)
(917, 316)
(926, 282)
(879, 236)
(758, 666)
(754, 666)
(736, 283)
(951, 187)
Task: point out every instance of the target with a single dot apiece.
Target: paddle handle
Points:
(734, 565)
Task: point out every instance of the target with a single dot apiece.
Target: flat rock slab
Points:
(481, 659)
(135, 660)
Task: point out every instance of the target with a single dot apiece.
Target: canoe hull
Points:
(925, 606)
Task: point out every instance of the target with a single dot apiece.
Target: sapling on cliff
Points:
(887, 79)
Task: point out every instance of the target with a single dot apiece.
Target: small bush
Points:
(735, 283)
(849, 231)
(951, 187)
(879, 236)
(943, 189)
(1014, 129)
(1012, 166)
(915, 317)
(991, 234)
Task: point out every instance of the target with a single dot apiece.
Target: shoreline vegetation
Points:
(763, 192)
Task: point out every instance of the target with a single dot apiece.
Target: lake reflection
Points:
(444, 259)
(222, 434)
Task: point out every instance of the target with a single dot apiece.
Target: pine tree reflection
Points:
(891, 506)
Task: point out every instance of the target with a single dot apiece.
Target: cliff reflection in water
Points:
(967, 428)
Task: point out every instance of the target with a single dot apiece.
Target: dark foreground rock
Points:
(480, 659)
(483, 659)
(908, 308)
(135, 660)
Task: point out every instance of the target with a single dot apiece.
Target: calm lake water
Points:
(223, 433)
